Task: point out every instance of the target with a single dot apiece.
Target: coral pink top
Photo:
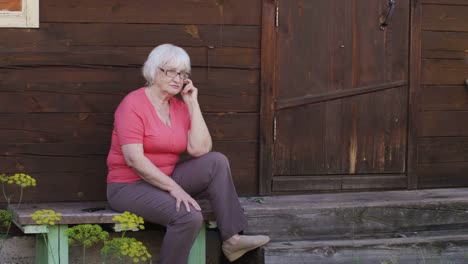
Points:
(136, 122)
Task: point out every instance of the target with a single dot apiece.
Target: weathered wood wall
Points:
(442, 118)
(60, 84)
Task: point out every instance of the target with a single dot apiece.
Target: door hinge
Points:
(274, 129)
(277, 15)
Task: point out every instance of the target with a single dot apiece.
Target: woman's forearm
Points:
(152, 174)
(199, 139)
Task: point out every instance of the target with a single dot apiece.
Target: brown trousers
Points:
(208, 176)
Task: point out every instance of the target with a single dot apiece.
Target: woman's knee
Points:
(192, 219)
(218, 158)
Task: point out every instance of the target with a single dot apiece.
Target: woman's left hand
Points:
(189, 93)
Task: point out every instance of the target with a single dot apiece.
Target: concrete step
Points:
(441, 247)
(351, 215)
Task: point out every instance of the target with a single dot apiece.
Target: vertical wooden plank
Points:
(52, 245)
(298, 148)
(414, 91)
(340, 43)
(198, 251)
(267, 95)
(63, 244)
(41, 248)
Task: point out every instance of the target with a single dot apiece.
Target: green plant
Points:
(125, 247)
(46, 217)
(5, 218)
(21, 179)
(86, 235)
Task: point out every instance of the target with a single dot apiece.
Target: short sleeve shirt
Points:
(136, 122)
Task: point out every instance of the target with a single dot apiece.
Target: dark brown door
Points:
(340, 96)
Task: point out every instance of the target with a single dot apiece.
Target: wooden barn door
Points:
(339, 96)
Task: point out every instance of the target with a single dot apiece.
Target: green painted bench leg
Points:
(55, 249)
(198, 251)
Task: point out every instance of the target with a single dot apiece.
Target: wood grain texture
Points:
(454, 72)
(437, 175)
(101, 89)
(402, 249)
(77, 172)
(350, 215)
(335, 115)
(334, 95)
(444, 45)
(376, 146)
(337, 183)
(442, 103)
(62, 35)
(414, 91)
(75, 212)
(95, 127)
(442, 150)
(445, 2)
(101, 56)
(72, 75)
(105, 97)
(267, 87)
(445, 17)
(443, 124)
(242, 12)
(444, 98)
(61, 83)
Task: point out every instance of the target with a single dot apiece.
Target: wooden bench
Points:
(83, 213)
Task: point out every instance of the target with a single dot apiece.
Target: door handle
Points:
(466, 82)
(391, 9)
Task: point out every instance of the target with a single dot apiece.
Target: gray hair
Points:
(165, 54)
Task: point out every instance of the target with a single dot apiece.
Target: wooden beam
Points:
(268, 61)
(333, 95)
(414, 91)
(338, 183)
(244, 12)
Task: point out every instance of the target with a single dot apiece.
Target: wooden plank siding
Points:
(60, 84)
(442, 126)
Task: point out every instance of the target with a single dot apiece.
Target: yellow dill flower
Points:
(126, 247)
(129, 221)
(20, 179)
(46, 216)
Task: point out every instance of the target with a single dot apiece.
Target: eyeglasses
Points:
(172, 74)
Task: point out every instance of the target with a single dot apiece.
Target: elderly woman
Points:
(151, 129)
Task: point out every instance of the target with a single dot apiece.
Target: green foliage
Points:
(46, 217)
(129, 221)
(86, 235)
(126, 247)
(21, 179)
(5, 218)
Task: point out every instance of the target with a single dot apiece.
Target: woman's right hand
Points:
(182, 197)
